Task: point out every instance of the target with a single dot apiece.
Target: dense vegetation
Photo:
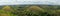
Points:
(30, 10)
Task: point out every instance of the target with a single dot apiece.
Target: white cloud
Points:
(10, 2)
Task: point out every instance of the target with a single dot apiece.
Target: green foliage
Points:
(31, 11)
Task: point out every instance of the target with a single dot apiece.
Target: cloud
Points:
(11, 2)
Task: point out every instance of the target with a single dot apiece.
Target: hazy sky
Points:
(12, 2)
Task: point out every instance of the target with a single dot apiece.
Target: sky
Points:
(14, 2)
